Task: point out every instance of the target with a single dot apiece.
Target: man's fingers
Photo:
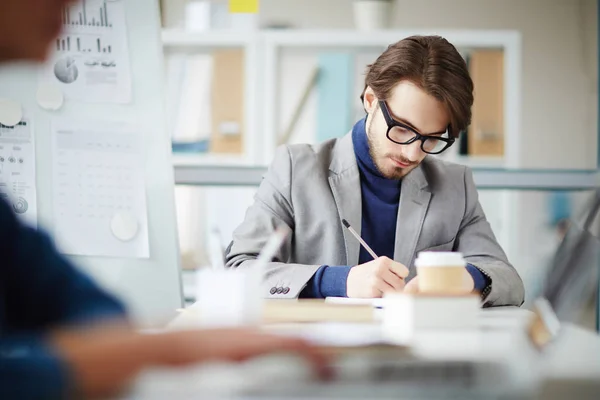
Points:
(383, 287)
(393, 280)
(412, 286)
(398, 269)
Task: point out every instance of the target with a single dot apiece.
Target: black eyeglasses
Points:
(399, 133)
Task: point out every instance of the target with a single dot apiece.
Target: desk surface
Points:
(574, 355)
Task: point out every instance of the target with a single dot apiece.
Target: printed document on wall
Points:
(99, 189)
(17, 170)
(90, 61)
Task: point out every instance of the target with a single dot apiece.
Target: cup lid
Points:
(440, 259)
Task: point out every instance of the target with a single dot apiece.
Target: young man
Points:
(55, 338)
(418, 96)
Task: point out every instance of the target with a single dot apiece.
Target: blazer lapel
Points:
(345, 186)
(414, 201)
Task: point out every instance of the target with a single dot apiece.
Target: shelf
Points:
(497, 179)
(262, 50)
(383, 38)
(218, 175)
(331, 38)
(476, 162)
(216, 170)
(199, 160)
(485, 177)
(209, 39)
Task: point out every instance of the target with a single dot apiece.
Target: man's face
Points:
(412, 106)
(28, 26)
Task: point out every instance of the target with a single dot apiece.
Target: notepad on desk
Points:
(377, 303)
(315, 310)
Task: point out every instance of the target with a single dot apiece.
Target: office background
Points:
(238, 86)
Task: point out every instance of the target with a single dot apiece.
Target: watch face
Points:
(486, 291)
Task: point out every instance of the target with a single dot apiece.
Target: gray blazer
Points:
(311, 188)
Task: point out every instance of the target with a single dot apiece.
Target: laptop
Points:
(572, 277)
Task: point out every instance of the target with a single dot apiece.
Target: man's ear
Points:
(369, 100)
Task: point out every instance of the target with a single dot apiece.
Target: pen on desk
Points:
(357, 236)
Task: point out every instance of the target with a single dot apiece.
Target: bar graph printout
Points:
(90, 61)
(17, 170)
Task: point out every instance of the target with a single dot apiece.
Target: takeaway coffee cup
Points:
(441, 273)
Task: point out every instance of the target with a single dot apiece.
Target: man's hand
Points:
(375, 278)
(103, 361)
(468, 284)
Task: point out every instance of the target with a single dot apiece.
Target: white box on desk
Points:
(228, 298)
(405, 315)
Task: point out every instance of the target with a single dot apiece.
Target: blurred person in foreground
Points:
(61, 336)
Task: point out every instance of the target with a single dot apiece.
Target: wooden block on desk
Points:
(290, 311)
(406, 315)
(282, 311)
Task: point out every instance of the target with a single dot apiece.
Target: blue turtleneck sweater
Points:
(380, 202)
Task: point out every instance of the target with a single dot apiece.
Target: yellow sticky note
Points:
(243, 6)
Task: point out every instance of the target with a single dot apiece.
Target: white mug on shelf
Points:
(371, 15)
(198, 16)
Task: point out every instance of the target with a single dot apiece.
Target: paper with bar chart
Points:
(17, 170)
(99, 189)
(91, 58)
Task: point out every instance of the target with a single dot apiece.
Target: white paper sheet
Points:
(17, 170)
(91, 57)
(98, 171)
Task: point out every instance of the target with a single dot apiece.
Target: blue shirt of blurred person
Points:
(39, 290)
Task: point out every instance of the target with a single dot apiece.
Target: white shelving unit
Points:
(186, 42)
(202, 160)
(263, 49)
(510, 41)
(353, 38)
(173, 38)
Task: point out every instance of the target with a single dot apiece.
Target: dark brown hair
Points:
(434, 65)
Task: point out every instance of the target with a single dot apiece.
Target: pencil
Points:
(357, 236)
